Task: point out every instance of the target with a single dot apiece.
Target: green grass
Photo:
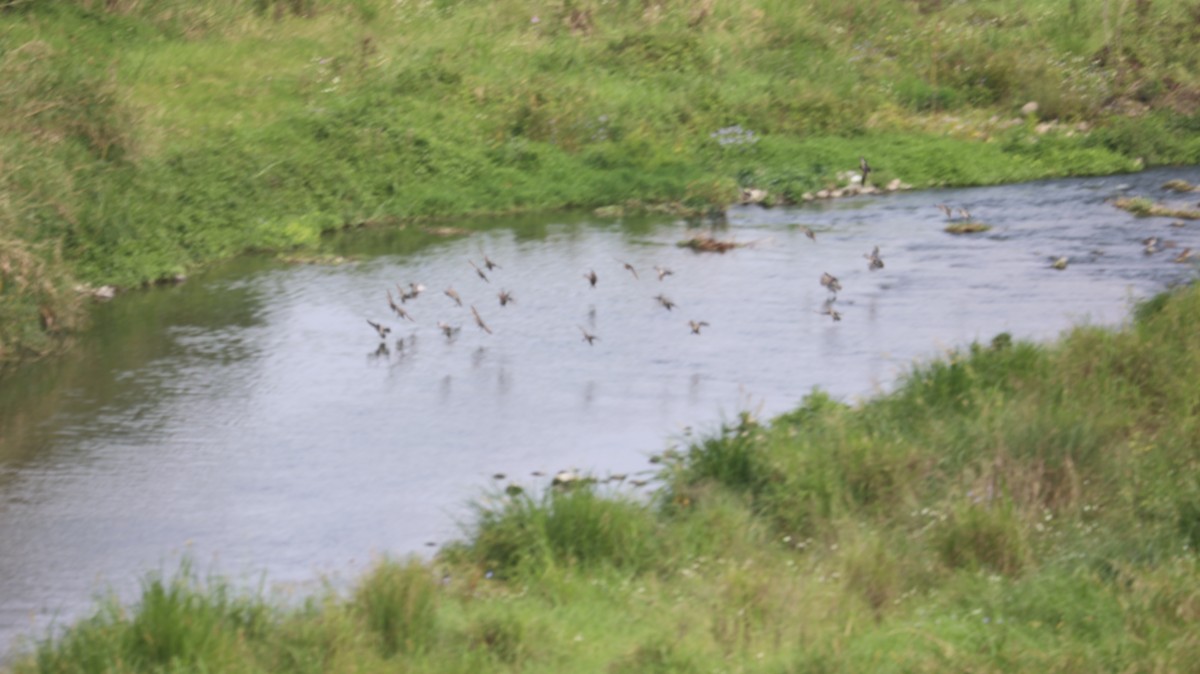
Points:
(139, 141)
(1009, 507)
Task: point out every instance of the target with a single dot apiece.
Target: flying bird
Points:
(505, 297)
(479, 321)
(478, 271)
(964, 214)
(665, 301)
(587, 336)
(399, 309)
(830, 311)
(591, 277)
(873, 260)
(695, 326)
(414, 289)
(447, 329)
(630, 268)
(830, 281)
(383, 330)
(946, 210)
(809, 233)
(453, 294)
(662, 272)
(487, 262)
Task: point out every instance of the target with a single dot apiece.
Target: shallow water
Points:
(247, 419)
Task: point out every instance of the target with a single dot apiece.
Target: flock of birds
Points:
(486, 270)
(505, 297)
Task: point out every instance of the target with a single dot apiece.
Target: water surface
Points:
(249, 419)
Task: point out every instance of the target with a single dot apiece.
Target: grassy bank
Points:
(1011, 507)
(140, 140)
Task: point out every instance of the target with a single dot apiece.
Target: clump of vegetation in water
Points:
(1178, 185)
(214, 128)
(1144, 207)
(706, 243)
(967, 227)
(1017, 506)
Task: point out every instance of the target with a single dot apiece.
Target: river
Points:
(249, 420)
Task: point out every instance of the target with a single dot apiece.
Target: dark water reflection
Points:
(249, 417)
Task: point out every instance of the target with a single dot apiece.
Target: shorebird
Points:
(1184, 255)
(1151, 244)
(630, 268)
(874, 261)
(830, 311)
(479, 321)
(487, 262)
(591, 277)
(964, 214)
(809, 233)
(587, 336)
(505, 297)
(946, 210)
(665, 301)
(696, 325)
(447, 329)
(383, 330)
(453, 294)
(830, 281)
(399, 309)
(865, 168)
(662, 272)
(414, 289)
(478, 271)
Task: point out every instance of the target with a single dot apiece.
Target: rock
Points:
(753, 196)
(1029, 108)
(808, 196)
(822, 194)
(105, 293)
(1060, 263)
(564, 479)
(894, 184)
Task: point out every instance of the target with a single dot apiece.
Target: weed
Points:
(398, 602)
